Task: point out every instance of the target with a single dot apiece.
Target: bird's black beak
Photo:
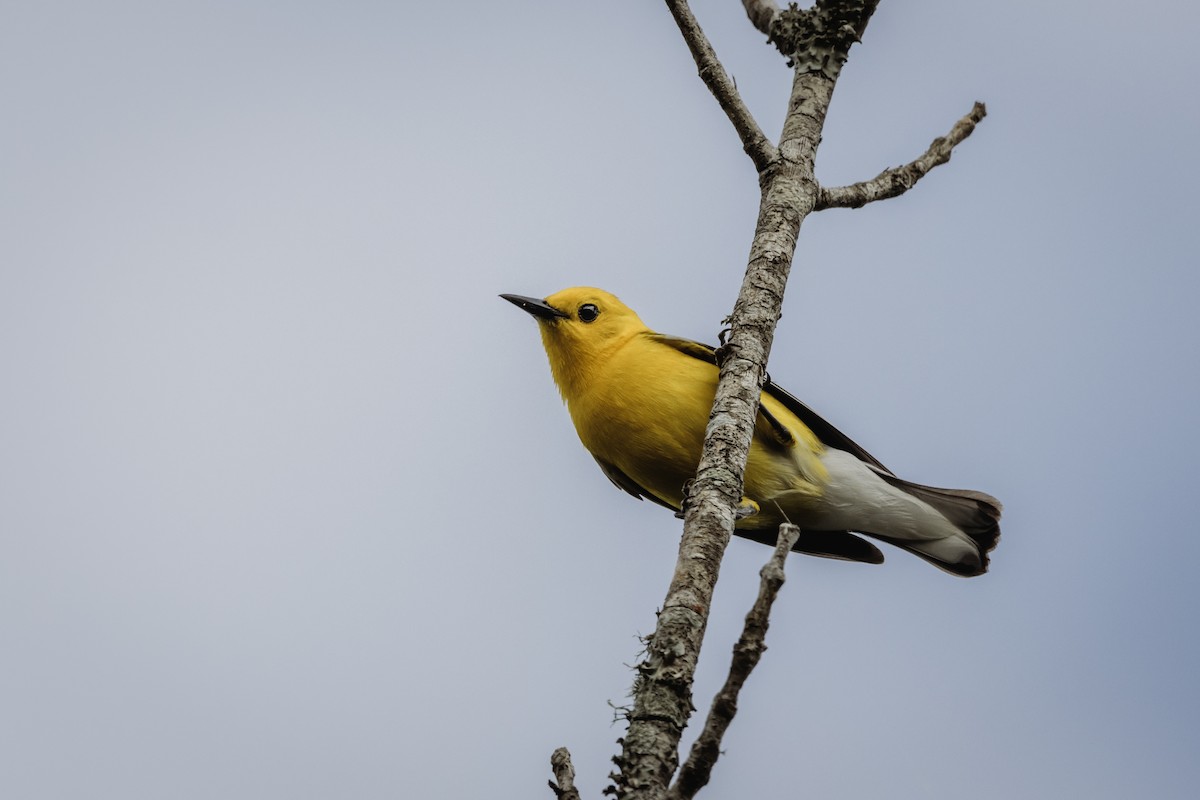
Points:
(538, 308)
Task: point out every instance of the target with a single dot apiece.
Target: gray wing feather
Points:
(628, 484)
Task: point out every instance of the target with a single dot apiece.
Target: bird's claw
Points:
(687, 498)
(746, 508)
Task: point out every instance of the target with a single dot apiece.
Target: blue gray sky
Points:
(289, 506)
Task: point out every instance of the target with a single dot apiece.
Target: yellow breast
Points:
(644, 409)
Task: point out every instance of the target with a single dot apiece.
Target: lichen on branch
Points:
(819, 39)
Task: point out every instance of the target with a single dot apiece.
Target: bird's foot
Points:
(687, 498)
(746, 508)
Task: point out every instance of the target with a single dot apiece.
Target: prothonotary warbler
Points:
(640, 401)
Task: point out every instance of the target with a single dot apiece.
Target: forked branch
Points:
(816, 41)
(662, 697)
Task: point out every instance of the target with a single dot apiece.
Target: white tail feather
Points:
(858, 498)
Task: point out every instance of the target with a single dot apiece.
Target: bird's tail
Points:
(976, 516)
(953, 529)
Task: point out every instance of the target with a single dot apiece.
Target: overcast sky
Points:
(289, 505)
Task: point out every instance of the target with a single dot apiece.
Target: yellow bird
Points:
(640, 402)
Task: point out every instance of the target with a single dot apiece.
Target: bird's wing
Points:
(842, 545)
(623, 481)
(829, 435)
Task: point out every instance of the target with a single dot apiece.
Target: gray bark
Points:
(696, 771)
(662, 690)
(816, 42)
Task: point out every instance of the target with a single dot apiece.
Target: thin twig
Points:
(697, 770)
(756, 145)
(898, 180)
(563, 784)
(761, 13)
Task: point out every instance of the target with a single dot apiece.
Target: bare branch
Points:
(662, 691)
(750, 646)
(756, 145)
(761, 13)
(662, 697)
(563, 784)
(898, 180)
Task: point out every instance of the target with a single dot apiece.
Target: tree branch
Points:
(816, 42)
(750, 646)
(756, 145)
(761, 13)
(563, 784)
(898, 180)
(662, 691)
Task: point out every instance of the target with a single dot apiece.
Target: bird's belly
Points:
(659, 450)
(656, 441)
(650, 425)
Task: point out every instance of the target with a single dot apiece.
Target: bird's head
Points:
(580, 327)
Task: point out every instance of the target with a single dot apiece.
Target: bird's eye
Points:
(588, 312)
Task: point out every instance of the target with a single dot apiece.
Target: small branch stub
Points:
(563, 784)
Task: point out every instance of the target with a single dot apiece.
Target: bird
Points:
(640, 401)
